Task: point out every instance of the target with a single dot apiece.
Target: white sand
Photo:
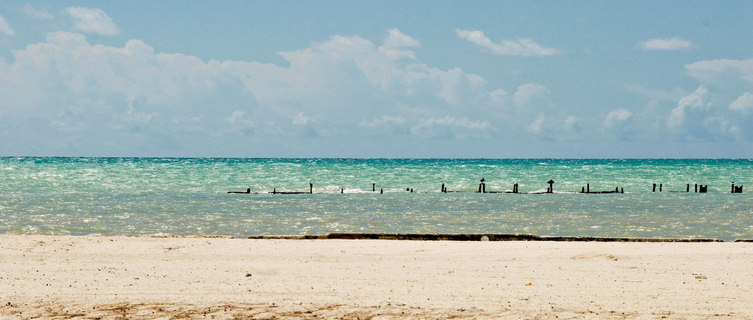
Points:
(62, 277)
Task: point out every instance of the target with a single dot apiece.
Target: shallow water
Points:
(147, 196)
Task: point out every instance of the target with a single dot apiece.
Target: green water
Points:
(146, 196)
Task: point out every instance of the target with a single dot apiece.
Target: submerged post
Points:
(654, 189)
(660, 187)
(687, 188)
(588, 188)
(696, 188)
(311, 187)
(373, 187)
(381, 190)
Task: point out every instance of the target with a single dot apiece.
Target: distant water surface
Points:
(175, 196)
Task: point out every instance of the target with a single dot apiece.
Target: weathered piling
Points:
(373, 187)
(703, 189)
(381, 190)
(551, 187)
(311, 187)
(515, 188)
(248, 190)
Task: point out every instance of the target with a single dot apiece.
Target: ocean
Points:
(189, 196)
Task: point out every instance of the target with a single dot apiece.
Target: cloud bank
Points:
(68, 96)
(343, 96)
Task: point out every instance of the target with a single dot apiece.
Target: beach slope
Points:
(61, 277)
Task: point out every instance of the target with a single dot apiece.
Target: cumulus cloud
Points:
(720, 107)
(695, 101)
(723, 72)
(523, 47)
(397, 39)
(66, 95)
(669, 44)
(5, 28)
(743, 103)
(616, 117)
(92, 20)
(530, 94)
(397, 45)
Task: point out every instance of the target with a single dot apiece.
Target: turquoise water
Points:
(146, 196)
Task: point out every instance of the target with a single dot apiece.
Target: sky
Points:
(374, 79)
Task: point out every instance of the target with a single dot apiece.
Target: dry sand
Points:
(61, 277)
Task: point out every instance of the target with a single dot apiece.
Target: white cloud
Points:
(617, 117)
(743, 103)
(92, 20)
(666, 44)
(723, 72)
(720, 108)
(397, 39)
(696, 100)
(529, 94)
(396, 45)
(522, 47)
(5, 28)
(68, 96)
(40, 14)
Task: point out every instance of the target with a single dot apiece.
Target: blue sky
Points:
(497, 79)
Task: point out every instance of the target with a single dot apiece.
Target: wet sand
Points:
(62, 277)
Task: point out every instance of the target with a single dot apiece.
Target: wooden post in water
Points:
(373, 187)
(654, 189)
(687, 187)
(311, 187)
(551, 187)
(588, 188)
(696, 188)
(381, 190)
(482, 186)
(733, 187)
(660, 187)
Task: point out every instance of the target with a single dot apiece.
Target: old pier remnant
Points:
(482, 186)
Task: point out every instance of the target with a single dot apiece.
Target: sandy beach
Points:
(90, 277)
